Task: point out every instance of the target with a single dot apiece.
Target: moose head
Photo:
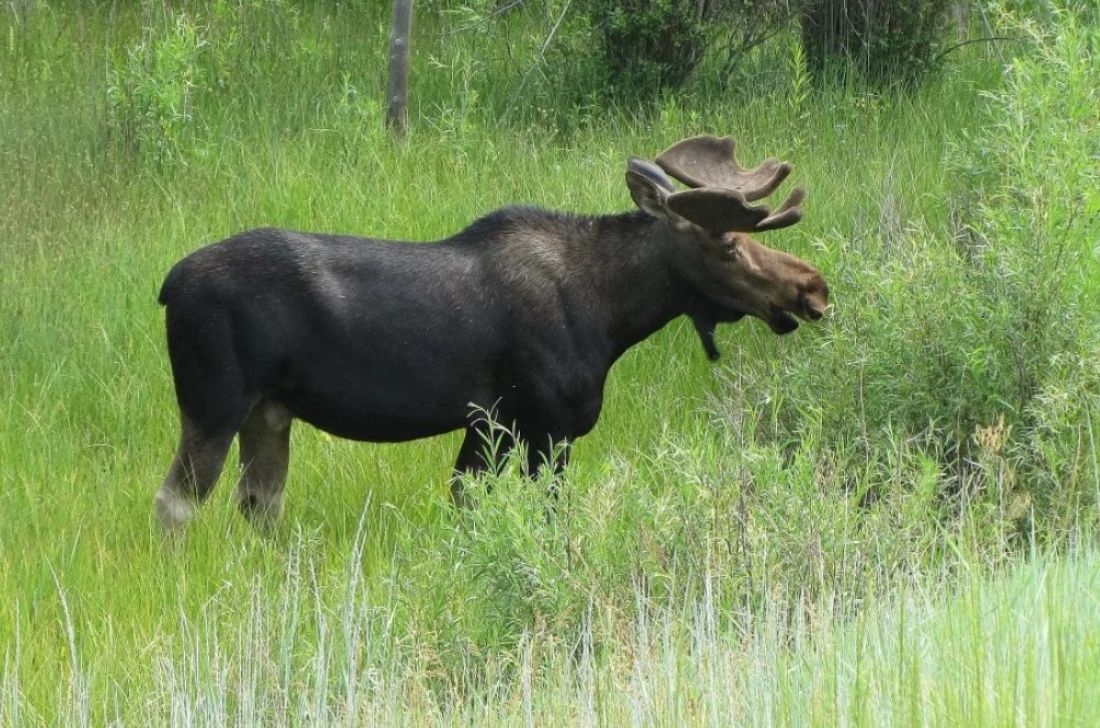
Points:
(734, 274)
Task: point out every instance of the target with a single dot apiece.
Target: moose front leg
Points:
(550, 455)
(484, 448)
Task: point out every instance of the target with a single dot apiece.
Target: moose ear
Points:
(648, 186)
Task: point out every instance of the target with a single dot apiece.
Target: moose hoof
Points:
(173, 510)
(261, 511)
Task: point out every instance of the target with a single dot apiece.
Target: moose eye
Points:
(729, 251)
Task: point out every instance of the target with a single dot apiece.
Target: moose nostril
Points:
(810, 308)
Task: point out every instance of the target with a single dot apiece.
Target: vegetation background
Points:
(886, 519)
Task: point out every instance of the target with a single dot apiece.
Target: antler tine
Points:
(721, 210)
(788, 213)
(707, 161)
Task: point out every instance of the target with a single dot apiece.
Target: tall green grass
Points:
(799, 534)
(1017, 648)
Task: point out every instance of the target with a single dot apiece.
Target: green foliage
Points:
(1049, 11)
(790, 535)
(151, 86)
(1032, 189)
(885, 41)
(180, 73)
(647, 46)
(637, 48)
(975, 330)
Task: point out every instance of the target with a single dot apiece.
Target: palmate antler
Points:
(722, 189)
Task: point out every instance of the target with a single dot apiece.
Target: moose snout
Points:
(814, 306)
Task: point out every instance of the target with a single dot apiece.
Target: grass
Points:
(865, 522)
(1019, 647)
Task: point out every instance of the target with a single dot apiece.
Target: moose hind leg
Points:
(194, 471)
(265, 456)
(213, 399)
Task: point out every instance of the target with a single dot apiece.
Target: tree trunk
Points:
(397, 93)
(960, 11)
(23, 9)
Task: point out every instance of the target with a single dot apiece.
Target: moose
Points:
(522, 313)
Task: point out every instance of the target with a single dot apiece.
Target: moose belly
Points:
(377, 415)
(377, 425)
(380, 403)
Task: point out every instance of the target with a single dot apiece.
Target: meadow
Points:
(886, 519)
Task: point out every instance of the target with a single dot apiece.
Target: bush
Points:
(151, 89)
(645, 47)
(1033, 199)
(886, 41)
(980, 338)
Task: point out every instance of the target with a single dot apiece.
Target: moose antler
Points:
(707, 161)
(722, 189)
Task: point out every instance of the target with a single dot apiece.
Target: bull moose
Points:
(522, 313)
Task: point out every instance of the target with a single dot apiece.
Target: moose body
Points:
(391, 341)
(522, 314)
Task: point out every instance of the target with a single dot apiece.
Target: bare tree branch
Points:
(960, 44)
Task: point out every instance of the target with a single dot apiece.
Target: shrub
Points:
(643, 46)
(1033, 198)
(886, 41)
(978, 338)
(150, 92)
(647, 45)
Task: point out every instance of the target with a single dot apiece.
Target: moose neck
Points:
(631, 276)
